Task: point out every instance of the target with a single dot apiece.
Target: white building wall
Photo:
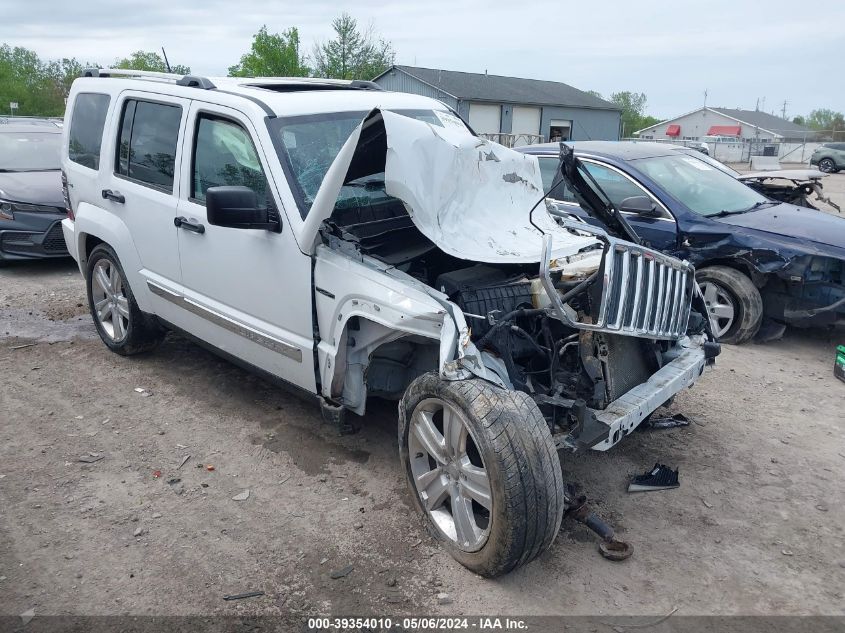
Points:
(696, 124)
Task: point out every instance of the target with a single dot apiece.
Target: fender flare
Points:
(95, 222)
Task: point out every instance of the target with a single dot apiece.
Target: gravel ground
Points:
(755, 528)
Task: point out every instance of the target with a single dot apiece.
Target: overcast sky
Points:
(737, 50)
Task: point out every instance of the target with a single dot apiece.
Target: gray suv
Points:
(830, 157)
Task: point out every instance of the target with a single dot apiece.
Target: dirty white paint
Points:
(468, 195)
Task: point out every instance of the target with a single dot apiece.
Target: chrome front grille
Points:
(646, 293)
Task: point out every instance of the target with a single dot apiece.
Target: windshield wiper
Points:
(369, 185)
(753, 207)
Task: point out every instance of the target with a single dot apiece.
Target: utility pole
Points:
(783, 110)
(705, 97)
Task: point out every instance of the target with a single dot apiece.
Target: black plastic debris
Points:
(660, 477)
(341, 573)
(242, 596)
(667, 422)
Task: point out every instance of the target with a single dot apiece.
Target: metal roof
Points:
(764, 120)
(753, 118)
(497, 88)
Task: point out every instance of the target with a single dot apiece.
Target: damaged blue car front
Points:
(757, 260)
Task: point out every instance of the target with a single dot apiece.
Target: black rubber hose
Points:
(577, 289)
(506, 320)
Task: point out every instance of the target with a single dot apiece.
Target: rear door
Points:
(141, 188)
(245, 291)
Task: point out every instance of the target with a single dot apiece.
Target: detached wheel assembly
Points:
(734, 305)
(483, 471)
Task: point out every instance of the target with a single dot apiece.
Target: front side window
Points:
(224, 155)
(616, 186)
(701, 188)
(146, 149)
(309, 144)
(86, 128)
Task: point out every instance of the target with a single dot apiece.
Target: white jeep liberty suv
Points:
(358, 243)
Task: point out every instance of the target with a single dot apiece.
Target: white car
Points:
(358, 243)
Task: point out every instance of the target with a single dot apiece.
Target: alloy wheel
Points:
(721, 307)
(449, 474)
(826, 165)
(111, 306)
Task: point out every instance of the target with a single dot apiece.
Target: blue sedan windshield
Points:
(700, 187)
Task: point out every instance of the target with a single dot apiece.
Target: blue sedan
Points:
(758, 260)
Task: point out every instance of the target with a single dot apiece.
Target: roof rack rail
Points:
(190, 81)
(361, 84)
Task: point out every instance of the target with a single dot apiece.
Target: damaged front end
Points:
(445, 253)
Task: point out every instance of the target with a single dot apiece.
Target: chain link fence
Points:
(741, 151)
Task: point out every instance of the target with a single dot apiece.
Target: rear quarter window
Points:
(86, 128)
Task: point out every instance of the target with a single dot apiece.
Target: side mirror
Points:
(640, 205)
(237, 208)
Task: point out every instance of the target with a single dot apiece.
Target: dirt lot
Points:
(756, 527)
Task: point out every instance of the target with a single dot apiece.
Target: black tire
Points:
(142, 330)
(521, 461)
(746, 299)
(827, 166)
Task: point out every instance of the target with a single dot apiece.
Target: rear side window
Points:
(146, 147)
(86, 128)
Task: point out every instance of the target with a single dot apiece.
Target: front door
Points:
(659, 233)
(246, 291)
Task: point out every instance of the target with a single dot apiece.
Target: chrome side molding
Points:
(265, 340)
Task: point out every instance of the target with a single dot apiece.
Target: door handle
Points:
(114, 196)
(184, 223)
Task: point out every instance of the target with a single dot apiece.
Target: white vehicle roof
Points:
(284, 96)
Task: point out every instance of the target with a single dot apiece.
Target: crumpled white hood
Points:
(470, 196)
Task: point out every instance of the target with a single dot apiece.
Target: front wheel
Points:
(733, 303)
(827, 165)
(121, 324)
(483, 471)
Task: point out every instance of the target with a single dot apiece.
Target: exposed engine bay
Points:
(576, 325)
(566, 370)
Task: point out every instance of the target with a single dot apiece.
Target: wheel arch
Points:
(375, 358)
(95, 226)
(757, 277)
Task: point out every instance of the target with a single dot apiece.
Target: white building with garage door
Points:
(511, 110)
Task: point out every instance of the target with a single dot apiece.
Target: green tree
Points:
(150, 60)
(823, 119)
(798, 120)
(633, 109)
(272, 55)
(352, 54)
(39, 88)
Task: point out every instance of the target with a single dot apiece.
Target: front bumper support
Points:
(627, 412)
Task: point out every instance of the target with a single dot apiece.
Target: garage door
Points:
(525, 121)
(485, 118)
